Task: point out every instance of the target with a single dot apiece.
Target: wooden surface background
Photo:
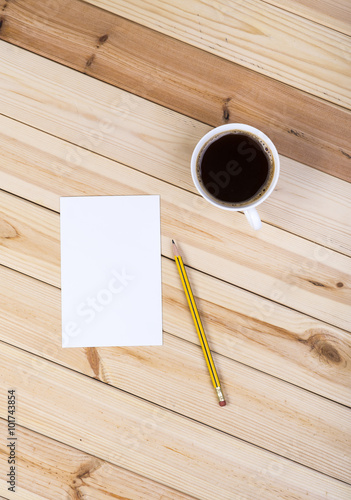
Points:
(109, 97)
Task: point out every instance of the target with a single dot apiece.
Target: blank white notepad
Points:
(111, 271)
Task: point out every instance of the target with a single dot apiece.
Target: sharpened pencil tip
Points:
(175, 249)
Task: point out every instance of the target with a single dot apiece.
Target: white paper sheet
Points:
(111, 271)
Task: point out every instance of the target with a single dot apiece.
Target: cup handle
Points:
(253, 218)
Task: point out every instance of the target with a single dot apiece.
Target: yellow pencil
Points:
(198, 325)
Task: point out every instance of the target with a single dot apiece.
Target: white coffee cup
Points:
(249, 206)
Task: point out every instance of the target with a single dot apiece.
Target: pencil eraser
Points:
(222, 403)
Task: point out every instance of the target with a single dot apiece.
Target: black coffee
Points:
(235, 168)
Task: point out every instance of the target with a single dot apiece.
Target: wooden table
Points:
(110, 97)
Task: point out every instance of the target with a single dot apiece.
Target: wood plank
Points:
(16, 229)
(257, 35)
(292, 271)
(47, 469)
(142, 429)
(256, 332)
(335, 14)
(319, 137)
(163, 375)
(150, 440)
(311, 336)
(146, 137)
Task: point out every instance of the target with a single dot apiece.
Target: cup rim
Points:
(244, 128)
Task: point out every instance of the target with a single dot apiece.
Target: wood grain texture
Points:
(326, 348)
(333, 14)
(104, 423)
(146, 137)
(291, 271)
(181, 77)
(257, 332)
(51, 470)
(163, 376)
(152, 441)
(257, 35)
(294, 272)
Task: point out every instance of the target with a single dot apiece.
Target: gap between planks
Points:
(309, 261)
(159, 142)
(257, 35)
(181, 454)
(319, 137)
(290, 271)
(263, 335)
(57, 469)
(165, 377)
(335, 15)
